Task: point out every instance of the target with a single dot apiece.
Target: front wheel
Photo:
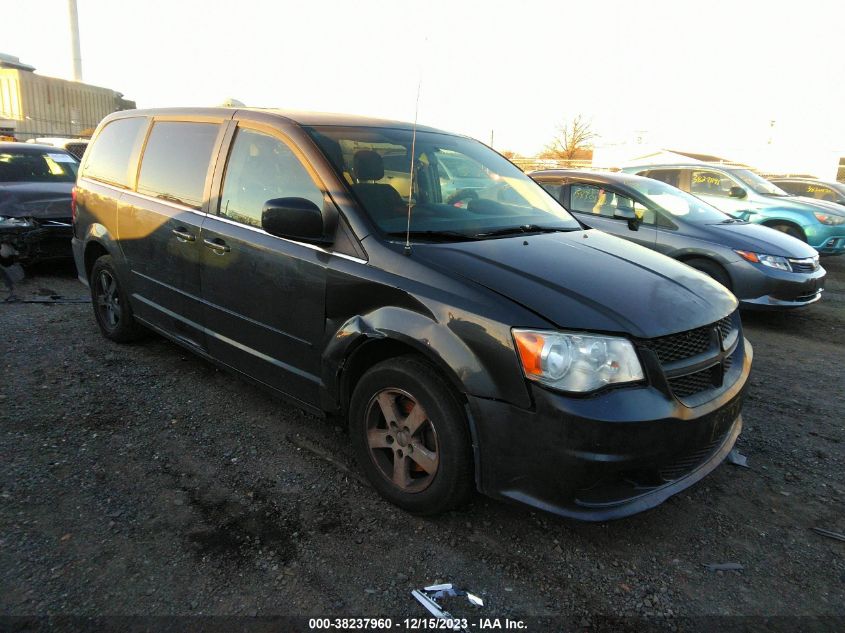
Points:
(711, 269)
(410, 436)
(789, 229)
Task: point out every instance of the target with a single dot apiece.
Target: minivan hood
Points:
(35, 199)
(760, 239)
(588, 280)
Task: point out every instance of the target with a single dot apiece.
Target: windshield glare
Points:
(460, 186)
(679, 203)
(34, 167)
(758, 183)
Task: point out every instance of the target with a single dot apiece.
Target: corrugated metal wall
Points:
(46, 106)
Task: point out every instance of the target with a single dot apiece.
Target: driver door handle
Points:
(217, 245)
(182, 235)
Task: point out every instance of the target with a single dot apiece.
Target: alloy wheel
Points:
(108, 299)
(402, 440)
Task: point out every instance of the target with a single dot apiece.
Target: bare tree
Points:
(572, 140)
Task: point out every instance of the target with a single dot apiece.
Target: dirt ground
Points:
(139, 479)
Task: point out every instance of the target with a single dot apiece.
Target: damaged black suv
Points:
(473, 333)
(36, 183)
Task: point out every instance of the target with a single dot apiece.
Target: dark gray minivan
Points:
(475, 337)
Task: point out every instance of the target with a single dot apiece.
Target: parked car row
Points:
(474, 331)
(764, 268)
(748, 196)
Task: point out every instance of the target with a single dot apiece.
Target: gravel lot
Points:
(141, 480)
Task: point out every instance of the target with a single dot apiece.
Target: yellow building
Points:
(33, 106)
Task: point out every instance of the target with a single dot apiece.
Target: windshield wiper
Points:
(446, 236)
(733, 221)
(523, 228)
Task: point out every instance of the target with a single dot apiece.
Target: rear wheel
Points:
(789, 229)
(111, 304)
(712, 269)
(410, 436)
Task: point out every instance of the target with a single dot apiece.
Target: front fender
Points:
(805, 219)
(704, 252)
(474, 359)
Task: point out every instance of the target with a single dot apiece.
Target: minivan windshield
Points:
(679, 204)
(29, 166)
(758, 183)
(461, 188)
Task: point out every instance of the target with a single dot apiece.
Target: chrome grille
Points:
(806, 265)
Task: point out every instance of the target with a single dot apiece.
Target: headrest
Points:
(368, 165)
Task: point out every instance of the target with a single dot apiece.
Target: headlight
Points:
(829, 218)
(576, 362)
(772, 261)
(22, 223)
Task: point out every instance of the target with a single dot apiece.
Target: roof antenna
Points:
(411, 190)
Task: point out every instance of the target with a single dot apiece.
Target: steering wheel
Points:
(461, 198)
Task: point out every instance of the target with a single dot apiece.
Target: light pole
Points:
(74, 40)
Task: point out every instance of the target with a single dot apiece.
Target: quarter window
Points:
(669, 176)
(115, 145)
(711, 183)
(176, 161)
(261, 168)
(552, 188)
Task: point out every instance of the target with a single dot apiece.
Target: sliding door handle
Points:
(217, 245)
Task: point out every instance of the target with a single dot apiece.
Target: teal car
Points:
(742, 193)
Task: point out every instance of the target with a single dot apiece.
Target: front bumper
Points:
(48, 239)
(827, 240)
(607, 456)
(761, 287)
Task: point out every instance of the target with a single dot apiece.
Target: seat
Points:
(381, 201)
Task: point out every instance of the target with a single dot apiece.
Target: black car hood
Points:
(588, 280)
(35, 199)
(760, 239)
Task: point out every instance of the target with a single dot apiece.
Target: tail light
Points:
(73, 211)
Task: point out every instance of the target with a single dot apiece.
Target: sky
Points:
(698, 76)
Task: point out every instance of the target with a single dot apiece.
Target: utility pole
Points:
(74, 40)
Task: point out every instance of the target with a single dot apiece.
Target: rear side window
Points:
(176, 161)
(819, 192)
(711, 183)
(262, 168)
(669, 176)
(114, 147)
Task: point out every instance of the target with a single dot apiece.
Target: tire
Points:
(789, 229)
(111, 303)
(435, 468)
(711, 269)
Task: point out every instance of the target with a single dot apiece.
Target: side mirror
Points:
(737, 192)
(294, 218)
(627, 213)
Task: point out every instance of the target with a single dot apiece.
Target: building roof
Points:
(10, 61)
